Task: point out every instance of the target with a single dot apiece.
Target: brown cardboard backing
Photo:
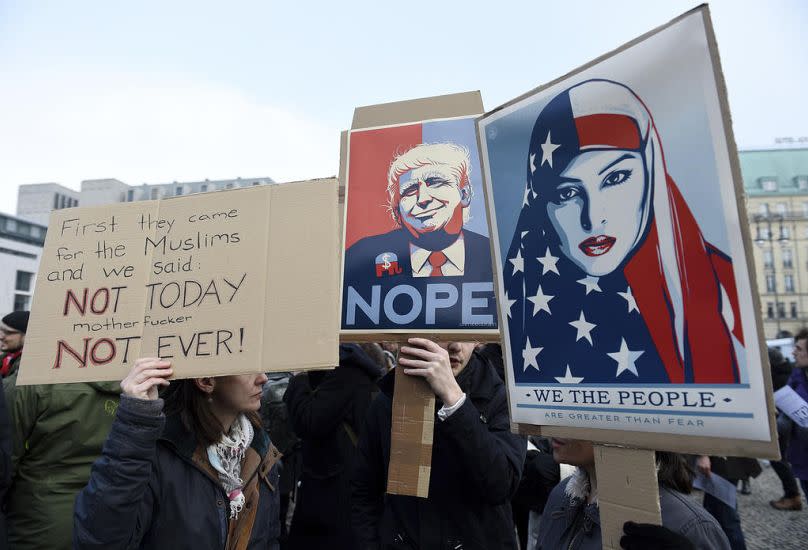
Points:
(627, 491)
(302, 309)
(412, 428)
(648, 440)
(283, 317)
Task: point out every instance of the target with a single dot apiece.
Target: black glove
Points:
(639, 536)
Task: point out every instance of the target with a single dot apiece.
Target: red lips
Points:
(597, 246)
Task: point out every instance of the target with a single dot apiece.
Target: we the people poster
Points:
(416, 250)
(625, 292)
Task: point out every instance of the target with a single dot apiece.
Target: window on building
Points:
(763, 233)
(130, 195)
(770, 310)
(24, 279)
(21, 302)
(768, 258)
(62, 202)
(203, 188)
(763, 209)
(56, 201)
(228, 186)
(781, 208)
(789, 282)
(788, 258)
(178, 190)
(770, 283)
(785, 232)
(256, 183)
(11, 225)
(768, 184)
(802, 182)
(793, 310)
(781, 310)
(154, 193)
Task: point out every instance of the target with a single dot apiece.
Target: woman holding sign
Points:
(571, 518)
(201, 475)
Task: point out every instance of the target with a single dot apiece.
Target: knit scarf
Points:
(226, 456)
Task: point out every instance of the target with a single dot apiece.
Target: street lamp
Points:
(761, 241)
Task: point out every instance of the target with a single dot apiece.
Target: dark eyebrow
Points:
(562, 179)
(621, 159)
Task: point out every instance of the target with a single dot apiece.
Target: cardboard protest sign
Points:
(625, 286)
(214, 282)
(416, 256)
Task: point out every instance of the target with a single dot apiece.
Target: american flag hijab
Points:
(665, 310)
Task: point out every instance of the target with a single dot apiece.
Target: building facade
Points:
(36, 201)
(21, 243)
(776, 184)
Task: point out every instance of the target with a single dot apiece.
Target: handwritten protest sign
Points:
(212, 282)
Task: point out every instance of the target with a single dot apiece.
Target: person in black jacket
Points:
(202, 476)
(476, 460)
(327, 410)
(791, 501)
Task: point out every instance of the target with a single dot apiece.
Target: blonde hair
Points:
(454, 156)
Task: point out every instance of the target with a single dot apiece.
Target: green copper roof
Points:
(775, 171)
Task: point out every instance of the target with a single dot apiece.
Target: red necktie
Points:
(436, 260)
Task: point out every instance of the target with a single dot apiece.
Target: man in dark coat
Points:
(327, 410)
(476, 460)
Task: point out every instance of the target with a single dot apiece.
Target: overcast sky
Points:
(157, 91)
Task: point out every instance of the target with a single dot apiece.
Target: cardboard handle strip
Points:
(627, 490)
(413, 424)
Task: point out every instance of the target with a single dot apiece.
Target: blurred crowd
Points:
(299, 461)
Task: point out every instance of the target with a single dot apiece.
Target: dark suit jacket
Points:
(361, 274)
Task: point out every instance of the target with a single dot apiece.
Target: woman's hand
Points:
(703, 465)
(146, 375)
(426, 359)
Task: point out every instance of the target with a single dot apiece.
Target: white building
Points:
(21, 245)
(36, 200)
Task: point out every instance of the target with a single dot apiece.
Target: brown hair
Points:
(183, 397)
(674, 472)
(801, 335)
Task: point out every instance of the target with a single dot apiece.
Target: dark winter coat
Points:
(798, 445)
(57, 433)
(734, 468)
(781, 372)
(476, 466)
(328, 409)
(153, 487)
(568, 522)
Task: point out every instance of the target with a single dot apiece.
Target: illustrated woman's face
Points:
(596, 209)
